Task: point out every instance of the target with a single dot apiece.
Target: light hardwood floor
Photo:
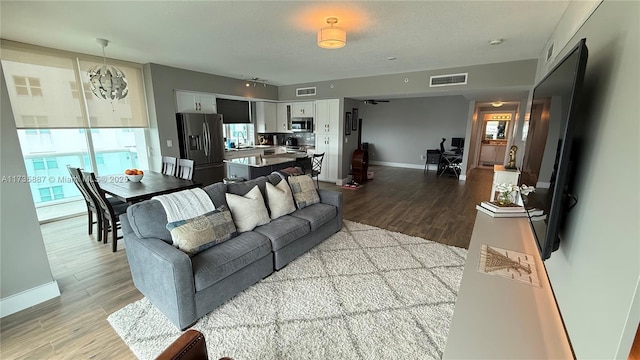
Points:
(95, 282)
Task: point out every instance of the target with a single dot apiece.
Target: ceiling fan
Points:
(374, 102)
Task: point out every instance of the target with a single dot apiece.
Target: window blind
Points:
(52, 85)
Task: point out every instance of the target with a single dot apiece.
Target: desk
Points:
(451, 161)
(152, 184)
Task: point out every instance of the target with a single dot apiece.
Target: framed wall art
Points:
(354, 122)
(347, 123)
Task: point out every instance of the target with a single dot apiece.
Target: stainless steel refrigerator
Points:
(201, 140)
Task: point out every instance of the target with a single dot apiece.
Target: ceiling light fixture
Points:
(107, 82)
(497, 104)
(332, 37)
(258, 81)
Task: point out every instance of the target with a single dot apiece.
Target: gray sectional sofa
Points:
(186, 288)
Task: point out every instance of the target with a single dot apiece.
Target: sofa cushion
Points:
(222, 260)
(284, 230)
(216, 193)
(202, 232)
(249, 210)
(148, 220)
(280, 199)
(304, 191)
(316, 214)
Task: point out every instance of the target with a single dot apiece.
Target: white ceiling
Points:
(276, 40)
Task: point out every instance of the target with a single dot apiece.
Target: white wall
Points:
(26, 278)
(595, 273)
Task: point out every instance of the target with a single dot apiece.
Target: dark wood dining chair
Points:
(185, 169)
(110, 214)
(169, 165)
(92, 208)
(316, 167)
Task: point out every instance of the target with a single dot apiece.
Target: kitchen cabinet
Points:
(266, 117)
(283, 114)
(491, 154)
(194, 102)
(329, 145)
(302, 109)
(327, 120)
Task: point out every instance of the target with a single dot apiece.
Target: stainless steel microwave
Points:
(302, 124)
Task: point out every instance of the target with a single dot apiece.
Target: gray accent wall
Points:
(350, 142)
(162, 81)
(595, 273)
(23, 258)
(401, 130)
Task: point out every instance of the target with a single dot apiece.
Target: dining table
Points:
(152, 184)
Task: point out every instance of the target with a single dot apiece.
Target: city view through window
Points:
(60, 122)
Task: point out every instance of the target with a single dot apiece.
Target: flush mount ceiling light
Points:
(497, 104)
(332, 37)
(107, 82)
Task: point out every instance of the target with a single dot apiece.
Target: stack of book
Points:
(495, 210)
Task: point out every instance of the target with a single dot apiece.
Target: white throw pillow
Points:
(248, 211)
(280, 199)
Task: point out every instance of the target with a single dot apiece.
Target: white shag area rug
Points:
(364, 293)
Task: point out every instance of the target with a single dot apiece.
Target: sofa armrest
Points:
(164, 275)
(334, 198)
(330, 197)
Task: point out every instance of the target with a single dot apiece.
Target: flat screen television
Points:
(549, 162)
(234, 111)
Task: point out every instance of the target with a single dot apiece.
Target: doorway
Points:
(493, 133)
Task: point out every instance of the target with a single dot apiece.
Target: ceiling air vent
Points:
(308, 91)
(447, 80)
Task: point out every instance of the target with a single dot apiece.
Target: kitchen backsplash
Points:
(304, 139)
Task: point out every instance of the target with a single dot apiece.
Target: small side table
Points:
(502, 175)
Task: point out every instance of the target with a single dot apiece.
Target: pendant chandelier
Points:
(107, 82)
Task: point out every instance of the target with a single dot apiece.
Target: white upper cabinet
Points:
(327, 119)
(194, 102)
(266, 117)
(302, 109)
(283, 115)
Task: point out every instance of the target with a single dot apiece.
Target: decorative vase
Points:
(504, 198)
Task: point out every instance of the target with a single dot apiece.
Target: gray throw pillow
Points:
(304, 191)
(202, 232)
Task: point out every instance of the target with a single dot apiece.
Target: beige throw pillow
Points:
(248, 211)
(304, 190)
(280, 199)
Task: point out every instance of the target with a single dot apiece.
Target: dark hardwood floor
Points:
(95, 282)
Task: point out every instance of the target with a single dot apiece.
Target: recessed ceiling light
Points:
(495, 41)
(391, 58)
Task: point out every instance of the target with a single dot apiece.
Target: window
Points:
(59, 130)
(44, 163)
(51, 193)
(75, 92)
(239, 134)
(27, 85)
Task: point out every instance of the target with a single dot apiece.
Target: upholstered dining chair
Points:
(92, 208)
(316, 167)
(110, 214)
(185, 169)
(169, 165)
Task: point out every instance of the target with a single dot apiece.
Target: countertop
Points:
(259, 161)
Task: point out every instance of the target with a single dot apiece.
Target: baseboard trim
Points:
(23, 300)
(396, 164)
(412, 166)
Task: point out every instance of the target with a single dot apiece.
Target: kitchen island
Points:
(252, 167)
